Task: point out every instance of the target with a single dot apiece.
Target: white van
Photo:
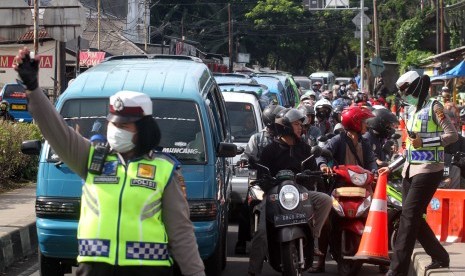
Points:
(245, 118)
(327, 76)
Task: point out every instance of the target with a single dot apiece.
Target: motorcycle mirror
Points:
(316, 151)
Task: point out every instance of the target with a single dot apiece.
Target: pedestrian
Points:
(134, 215)
(430, 130)
(5, 114)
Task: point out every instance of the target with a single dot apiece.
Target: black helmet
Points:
(269, 114)
(284, 120)
(307, 110)
(383, 123)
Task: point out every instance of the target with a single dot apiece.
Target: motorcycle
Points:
(351, 202)
(288, 211)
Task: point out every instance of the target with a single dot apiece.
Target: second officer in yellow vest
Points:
(430, 130)
(134, 215)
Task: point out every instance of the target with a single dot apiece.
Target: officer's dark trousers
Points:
(104, 269)
(417, 192)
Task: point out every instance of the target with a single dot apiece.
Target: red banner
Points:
(7, 61)
(89, 59)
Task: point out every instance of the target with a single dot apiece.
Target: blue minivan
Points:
(192, 116)
(15, 95)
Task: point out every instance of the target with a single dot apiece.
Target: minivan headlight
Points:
(58, 207)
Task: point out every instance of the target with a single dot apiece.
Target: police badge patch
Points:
(146, 171)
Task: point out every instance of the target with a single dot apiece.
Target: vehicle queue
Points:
(341, 112)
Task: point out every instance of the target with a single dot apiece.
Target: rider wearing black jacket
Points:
(288, 151)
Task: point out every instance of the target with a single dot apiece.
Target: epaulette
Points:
(168, 157)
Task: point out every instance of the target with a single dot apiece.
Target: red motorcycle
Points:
(352, 197)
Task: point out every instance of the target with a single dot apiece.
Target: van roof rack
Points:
(120, 57)
(176, 57)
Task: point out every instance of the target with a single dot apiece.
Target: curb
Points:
(17, 244)
(420, 259)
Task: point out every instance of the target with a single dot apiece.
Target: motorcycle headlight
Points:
(289, 197)
(394, 201)
(363, 207)
(358, 179)
(337, 207)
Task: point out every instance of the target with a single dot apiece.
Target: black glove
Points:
(28, 71)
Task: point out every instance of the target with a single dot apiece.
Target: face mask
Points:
(411, 100)
(120, 139)
(322, 115)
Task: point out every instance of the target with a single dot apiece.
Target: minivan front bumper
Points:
(57, 237)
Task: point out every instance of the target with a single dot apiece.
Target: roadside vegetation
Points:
(16, 169)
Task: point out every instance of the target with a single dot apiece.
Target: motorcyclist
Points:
(5, 114)
(253, 150)
(380, 129)
(450, 107)
(323, 110)
(287, 151)
(348, 147)
(342, 89)
(310, 133)
(308, 98)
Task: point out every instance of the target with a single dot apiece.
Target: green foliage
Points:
(413, 59)
(15, 166)
(408, 39)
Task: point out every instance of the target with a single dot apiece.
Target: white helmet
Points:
(323, 103)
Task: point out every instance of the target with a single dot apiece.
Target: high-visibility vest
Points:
(422, 123)
(121, 212)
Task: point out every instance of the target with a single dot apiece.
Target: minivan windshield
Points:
(242, 120)
(14, 91)
(179, 121)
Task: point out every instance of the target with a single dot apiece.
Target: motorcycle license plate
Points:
(18, 107)
(289, 219)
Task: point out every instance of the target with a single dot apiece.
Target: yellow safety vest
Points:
(422, 123)
(121, 212)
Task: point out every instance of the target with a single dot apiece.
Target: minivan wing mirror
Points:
(226, 150)
(31, 147)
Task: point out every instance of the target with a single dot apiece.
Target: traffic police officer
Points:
(134, 215)
(429, 131)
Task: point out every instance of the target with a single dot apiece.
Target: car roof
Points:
(241, 97)
(158, 77)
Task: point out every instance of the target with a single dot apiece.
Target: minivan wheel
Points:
(214, 264)
(49, 266)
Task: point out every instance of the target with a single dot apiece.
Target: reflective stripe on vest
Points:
(423, 124)
(121, 213)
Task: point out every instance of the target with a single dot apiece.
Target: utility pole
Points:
(437, 26)
(230, 39)
(376, 28)
(145, 25)
(441, 31)
(98, 25)
(361, 45)
(36, 27)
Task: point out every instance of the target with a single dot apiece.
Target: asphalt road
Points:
(237, 265)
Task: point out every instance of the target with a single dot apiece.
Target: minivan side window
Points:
(222, 111)
(214, 119)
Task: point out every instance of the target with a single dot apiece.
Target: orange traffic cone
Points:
(463, 130)
(374, 244)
